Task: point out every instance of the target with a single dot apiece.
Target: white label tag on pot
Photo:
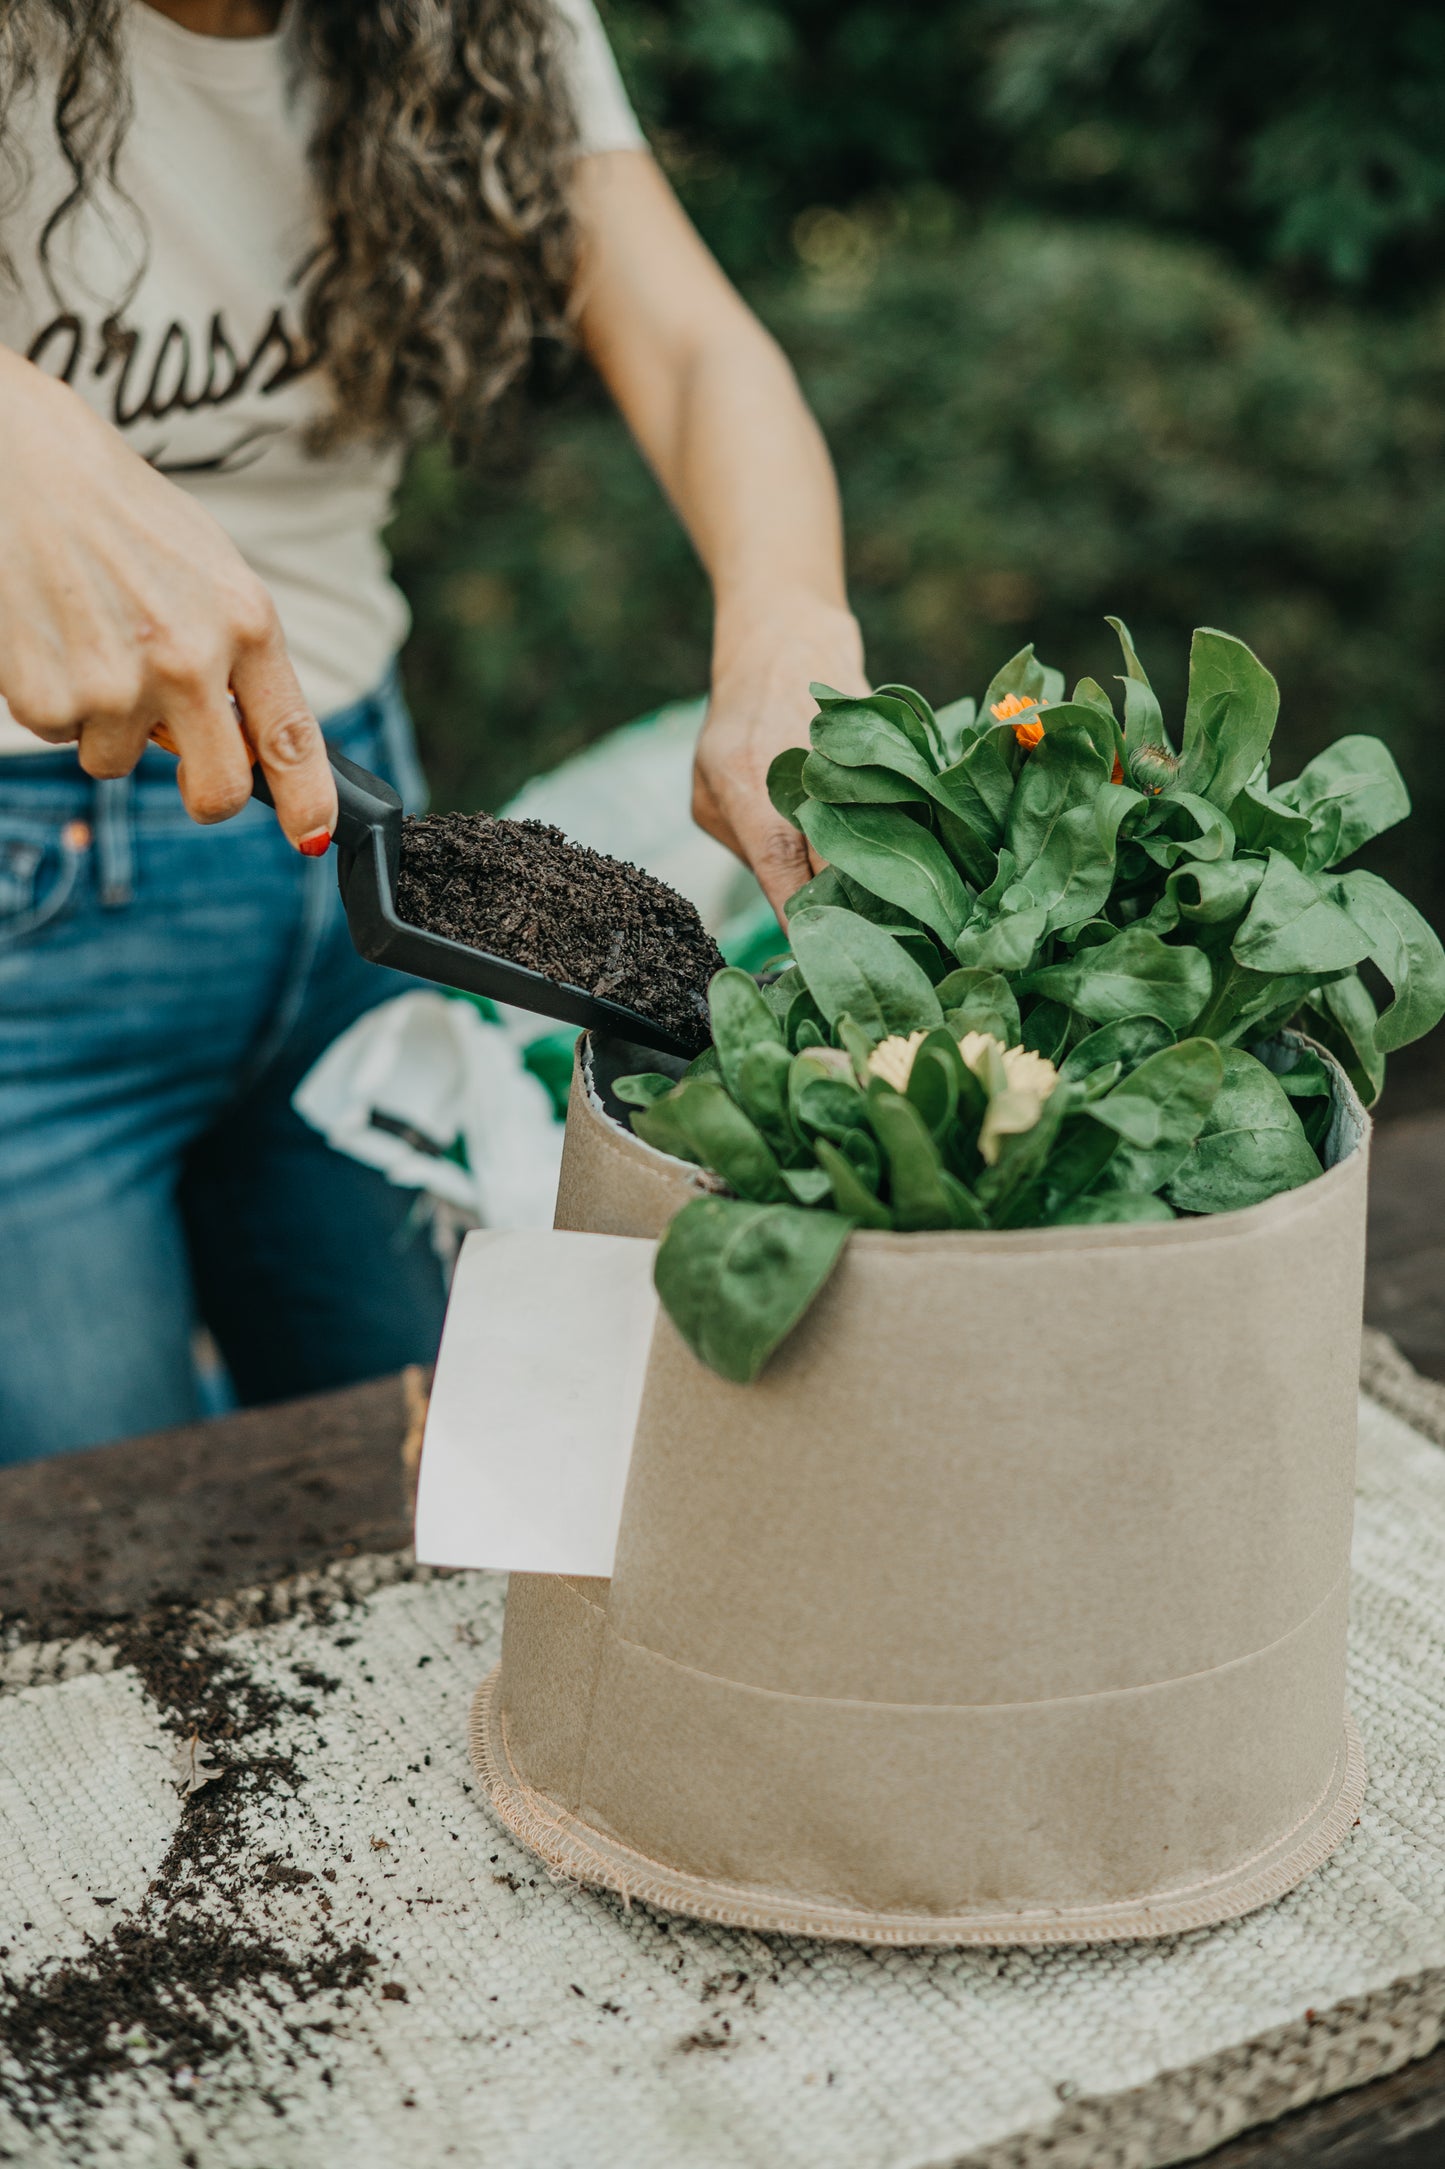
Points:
(535, 1402)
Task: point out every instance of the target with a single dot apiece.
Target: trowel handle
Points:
(364, 803)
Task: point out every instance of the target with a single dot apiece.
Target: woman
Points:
(246, 254)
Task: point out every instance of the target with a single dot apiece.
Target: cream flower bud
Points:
(1029, 1078)
(1029, 1072)
(975, 1048)
(892, 1059)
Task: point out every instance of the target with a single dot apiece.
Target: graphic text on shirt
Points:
(171, 368)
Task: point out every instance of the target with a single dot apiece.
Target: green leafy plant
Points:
(1042, 980)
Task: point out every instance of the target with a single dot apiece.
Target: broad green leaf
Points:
(980, 783)
(809, 1185)
(1023, 674)
(840, 786)
(1064, 771)
(1096, 724)
(1292, 926)
(1183, 826)
(824, 892)
(1251, 1145)
(916, 1193)
(955, 722)
(641, 1090)
(963, 1206)
(857, 1044)
(1135, 1120)
(1046, 1029)
(855, 967)
(1112, 1208)
(907, 698)
(1215, 895)
(786, 788)
(1133, 667)
(860, 734)
(736, 1278)
(1089, 693)
(1079, 1156)
(741, 1020)
(935, 1080)
(861, 1150)
(910, 712)
(856, 896)
(894, 857)
(1405, 949)
(1072, 875)
(1342, 1017)
(790, 1002)
(1130, 1041)
(662, 1127)
(822, 1100)
(721, 1137)
(1229, 718)
(1309, 1076)
(1350, 793)
(966, 844)
(1179, 1084)
(1134, 975)
(1023, 1138)
(851, 1195)
(782, 990)
(1244, 1002)
(762, 1093)
(1006, 944)
(1143, 717)
(979, 1001)
(1262, 821)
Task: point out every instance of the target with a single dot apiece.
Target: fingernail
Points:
(317, 844)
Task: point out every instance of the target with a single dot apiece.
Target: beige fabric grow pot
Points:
(1008, 1605)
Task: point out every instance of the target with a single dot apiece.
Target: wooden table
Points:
(195, 1512)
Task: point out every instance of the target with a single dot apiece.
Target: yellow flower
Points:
(892, 1059)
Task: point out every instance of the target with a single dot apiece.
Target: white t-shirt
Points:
(207, 388)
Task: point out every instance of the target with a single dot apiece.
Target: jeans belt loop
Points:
(115, 840)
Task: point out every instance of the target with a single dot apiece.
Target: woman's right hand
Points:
(123, 605)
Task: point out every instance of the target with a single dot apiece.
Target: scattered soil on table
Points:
(520, 890)
(147, 1991)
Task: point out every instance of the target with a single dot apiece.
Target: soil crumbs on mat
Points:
(150, 1992)
(520, 890)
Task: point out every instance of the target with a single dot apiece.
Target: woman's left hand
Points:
(765, 655)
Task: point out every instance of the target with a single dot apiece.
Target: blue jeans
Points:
(163, 990)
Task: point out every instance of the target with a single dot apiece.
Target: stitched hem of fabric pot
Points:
(572, 1850)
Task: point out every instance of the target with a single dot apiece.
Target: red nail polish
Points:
(317, 844)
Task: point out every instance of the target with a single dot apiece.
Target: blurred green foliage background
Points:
(1130, 305)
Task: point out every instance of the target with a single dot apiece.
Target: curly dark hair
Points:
(442, 153)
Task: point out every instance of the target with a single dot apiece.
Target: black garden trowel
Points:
(368, 848)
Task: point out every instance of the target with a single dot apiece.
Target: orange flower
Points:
(1118, 775)
(1013, 704)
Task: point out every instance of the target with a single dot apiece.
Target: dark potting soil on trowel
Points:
(520, 890)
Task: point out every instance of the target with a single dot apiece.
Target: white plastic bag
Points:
(438, 1098)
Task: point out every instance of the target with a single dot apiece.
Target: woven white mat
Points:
(543, 2027)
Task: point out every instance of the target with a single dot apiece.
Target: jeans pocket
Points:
(39, 866)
